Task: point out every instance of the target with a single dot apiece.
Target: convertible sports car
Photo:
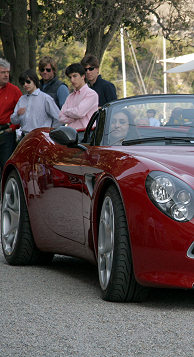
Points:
(120, 195)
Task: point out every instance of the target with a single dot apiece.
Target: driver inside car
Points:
(122, 127)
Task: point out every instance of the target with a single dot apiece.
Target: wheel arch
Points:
(98, 201)
(9, 168)
(19, 246)
(116, 270)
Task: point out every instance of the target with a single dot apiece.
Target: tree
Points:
(97, 21)
(23, 22)
(18, 32)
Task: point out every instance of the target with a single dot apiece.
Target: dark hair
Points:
(176, 117)
(47, 60)
(128, 114)
(75, 68)
(151, 111)
(90, 60)
(29, 74)
(177, 111)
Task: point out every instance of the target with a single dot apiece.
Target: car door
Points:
(57, 171)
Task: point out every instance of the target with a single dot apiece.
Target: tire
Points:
(16, 236)
(115, 267)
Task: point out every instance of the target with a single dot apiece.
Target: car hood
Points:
(179, 160)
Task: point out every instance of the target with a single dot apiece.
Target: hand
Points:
(9, 130)
(21, 111)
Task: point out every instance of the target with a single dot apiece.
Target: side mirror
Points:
(64, 135)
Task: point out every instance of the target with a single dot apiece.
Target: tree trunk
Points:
(95, 43)
(7, 34)
(18, 31)
(98, 37)
(34, 14)
(20, 36)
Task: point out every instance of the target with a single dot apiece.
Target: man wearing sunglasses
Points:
(49, 83)
(106, 90)
(9, 95)
(34, 109)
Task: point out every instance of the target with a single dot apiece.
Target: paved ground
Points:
(57, 311)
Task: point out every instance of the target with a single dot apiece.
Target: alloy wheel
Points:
(106, 242)
(10, 218)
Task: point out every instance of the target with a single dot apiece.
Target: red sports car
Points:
(120, 194)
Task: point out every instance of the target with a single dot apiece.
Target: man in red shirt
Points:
(9, 95)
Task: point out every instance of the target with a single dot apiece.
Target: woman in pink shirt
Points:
(81, 103)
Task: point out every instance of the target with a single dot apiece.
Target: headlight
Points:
(162, 189)
(171, 195)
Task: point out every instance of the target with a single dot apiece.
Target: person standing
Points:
(9, 95)
(49, 83)
(35, 109)
(151, 117)
(81, 103)
(106, 90)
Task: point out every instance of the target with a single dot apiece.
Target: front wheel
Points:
(115, 267)
(16, 236)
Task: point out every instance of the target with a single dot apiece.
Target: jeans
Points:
(7, 146)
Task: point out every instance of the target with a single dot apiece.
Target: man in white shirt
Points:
(35, 109)
(151, 117)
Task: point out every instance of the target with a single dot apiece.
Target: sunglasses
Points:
(89, 69)
(28, 81)
(45, 69)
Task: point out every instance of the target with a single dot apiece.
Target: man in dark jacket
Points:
(106, 90)
(49, 83)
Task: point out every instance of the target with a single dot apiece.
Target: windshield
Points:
(160, 118)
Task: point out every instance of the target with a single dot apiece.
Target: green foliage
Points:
(148, 54)
(64, 55)
(66, 29)
(84, 19)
